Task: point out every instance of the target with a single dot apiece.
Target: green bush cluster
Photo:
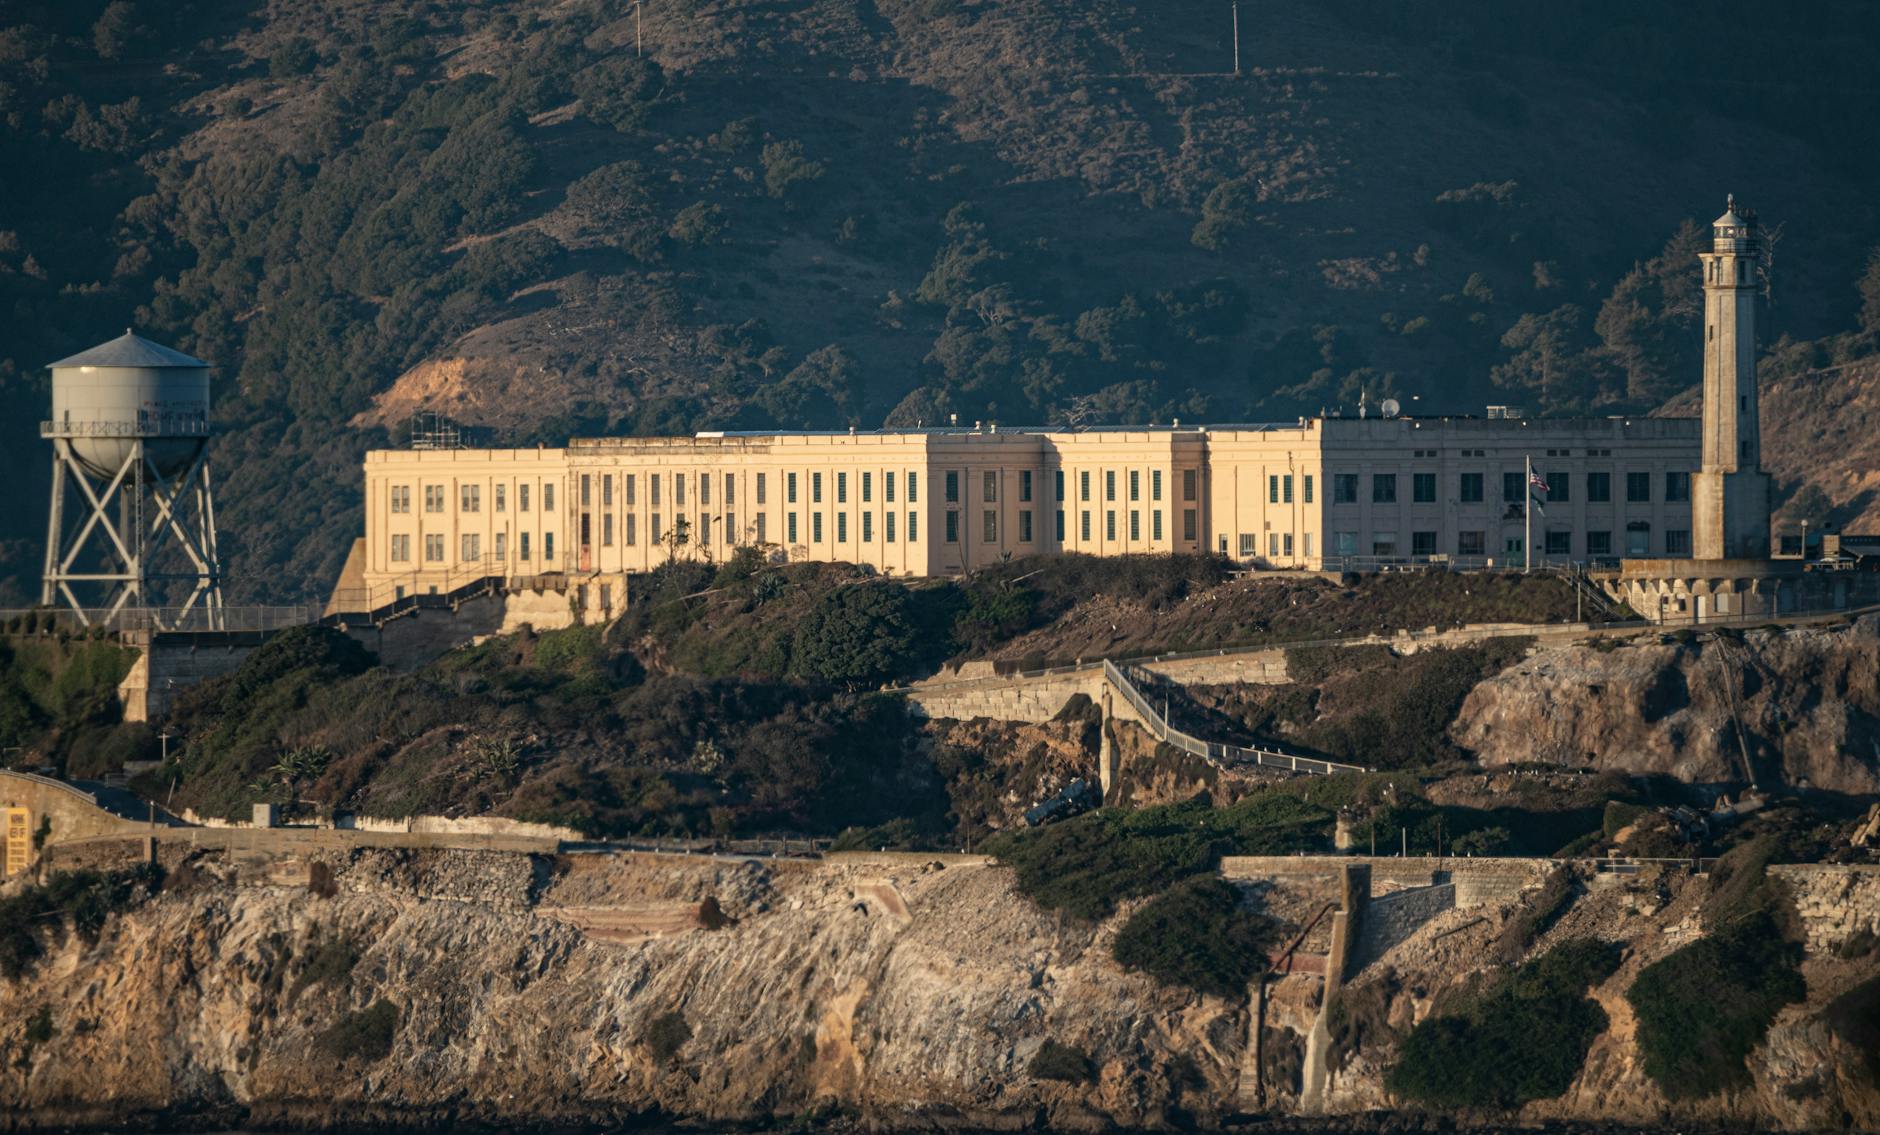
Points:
(70, 901)
(1703, 1008)
(1200, 934)
(60, 695)
(1524, 1038)
(1401, 707)
(562, 727)
(1085, 866)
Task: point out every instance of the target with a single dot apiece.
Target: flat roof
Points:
(991, 429)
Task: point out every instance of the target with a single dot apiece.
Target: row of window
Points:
(470, 498)
(1475, 543)
(470, 547)
(1470, 488)
(1132, 479)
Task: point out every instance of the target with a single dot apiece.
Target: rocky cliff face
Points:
(904, 990)
(901, 990)
(1802, 704)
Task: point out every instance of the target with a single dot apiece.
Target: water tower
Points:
(130, 434)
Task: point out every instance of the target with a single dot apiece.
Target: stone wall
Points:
(1391, 918)
(1835, 901)
(1005, 699)
(1257, 667)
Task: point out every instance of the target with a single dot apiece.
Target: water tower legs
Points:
(130, 520)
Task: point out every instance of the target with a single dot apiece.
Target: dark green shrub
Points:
(1227, 211)
(70, 901)
(864, 633)
(616, 204)
(991, 616)
(1523, 1039)
(1198, 934)
(39, 1028)
(292, 59)
(1702, 1009)
(1086, 865)
(1620, 815)
(366, 1035)
(1061, 1062)
(666, 1035)
(785, 168)
(619, 91)
(896, 835)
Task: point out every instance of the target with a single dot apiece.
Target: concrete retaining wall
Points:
(1257, 667)
(283, 841)
(1477, 881)
(167, 666)
(1016, 699)
(67, 812)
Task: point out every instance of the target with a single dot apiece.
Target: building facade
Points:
(1319, 494)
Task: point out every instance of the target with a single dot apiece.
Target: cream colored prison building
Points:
(1324, 493)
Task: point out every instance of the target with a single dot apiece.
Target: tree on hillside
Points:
(1551, 358)
(824, 390)
(117, 30)
(1650, 322)
(615, 203)
(861, 634)
(619, 91)
(1869, 287)
(1227, 211)
(785, 168)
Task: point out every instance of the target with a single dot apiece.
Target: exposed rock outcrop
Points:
(1803, 705)
(904, 989)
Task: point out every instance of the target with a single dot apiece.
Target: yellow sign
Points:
(19, 839)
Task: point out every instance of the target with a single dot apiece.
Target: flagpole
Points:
(1527, 515)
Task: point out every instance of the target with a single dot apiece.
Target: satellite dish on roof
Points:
(1391, 408)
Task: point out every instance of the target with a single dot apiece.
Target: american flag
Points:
(1537, 480)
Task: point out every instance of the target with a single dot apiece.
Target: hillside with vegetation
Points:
(560, 219)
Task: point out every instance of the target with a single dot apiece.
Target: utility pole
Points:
(1236, 37)
(639, 46)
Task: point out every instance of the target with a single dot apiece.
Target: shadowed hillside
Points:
(818, 212)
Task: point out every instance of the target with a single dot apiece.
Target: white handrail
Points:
(1217, 751)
